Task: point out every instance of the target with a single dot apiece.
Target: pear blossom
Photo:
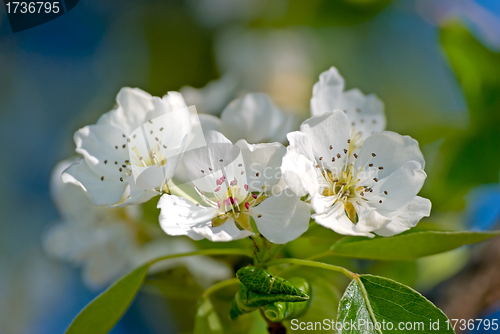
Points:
(365, 112)
(212, 98)
(134, 149)
(236, 185)
(371, 188)
(109, 242)
(253, 117)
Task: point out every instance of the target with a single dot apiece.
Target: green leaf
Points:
(259, 288)
(404, 272)
(101, 314)
(176, 283)
(380, 305)
(407, 246)
(261, 280)
(207, 320)
(289, 310)
(247, 300)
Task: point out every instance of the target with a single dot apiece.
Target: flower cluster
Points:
(235, 178)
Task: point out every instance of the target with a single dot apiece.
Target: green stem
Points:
(320, 255)
(221, 251)
(219, 286)
(311, 258)
(272, 250)
(310, 263)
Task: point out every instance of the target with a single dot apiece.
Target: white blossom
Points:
(235, 184)
(109, 242)
(212, 98)
(365, 112)
(254, 118)
(356, 190)
(133, 150)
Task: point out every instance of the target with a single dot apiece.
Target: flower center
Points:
(146, 148)
(232, 200)
(344, 187)
(350, 185)
(155, 157)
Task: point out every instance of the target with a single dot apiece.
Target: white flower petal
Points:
(254, 118)
(402, 186)
(391, 150)
(209, 123)
(336, 220)
(327, 92)
(178, 215)
(103, 250)
(102, 146)
(69, 197)
(366, 113)
(152, 177)
(369, 219)
(207, 271)
(136, 196)
(301, 143)
(131, 112)
(181, 217)
(170, 102)
(214, 137)
(169, 127)
(64, 241)
(322, 203)
(327, 130)
(213, 97)
(109, 257)
(281, 126)
(262, 164)
(107, 191)
(226, 232)
(407, 218)
(299, 174)
(281, 218)
(206, 163)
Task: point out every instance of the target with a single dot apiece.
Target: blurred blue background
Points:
(62, 75)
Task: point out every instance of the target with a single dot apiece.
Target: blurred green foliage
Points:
(180, 50)
(322, 13)
(467, 157)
